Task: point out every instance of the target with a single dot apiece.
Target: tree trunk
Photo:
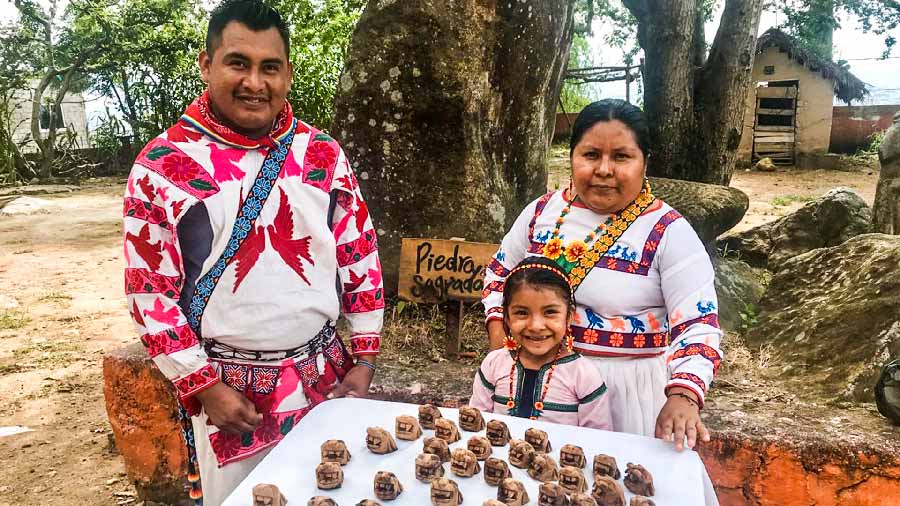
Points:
(446, 109)
(695, 114)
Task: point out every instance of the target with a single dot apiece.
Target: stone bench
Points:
(750, 464)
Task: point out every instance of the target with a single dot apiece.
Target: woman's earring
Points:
(509, 343)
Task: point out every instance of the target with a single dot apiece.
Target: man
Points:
(246, 237)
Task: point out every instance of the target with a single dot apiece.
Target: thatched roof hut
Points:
(847, 87)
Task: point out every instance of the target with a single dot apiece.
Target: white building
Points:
(70, 117)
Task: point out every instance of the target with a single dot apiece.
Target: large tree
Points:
(446, 110)
(694, 100)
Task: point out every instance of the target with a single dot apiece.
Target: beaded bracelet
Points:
(366, 363)
(686, 396)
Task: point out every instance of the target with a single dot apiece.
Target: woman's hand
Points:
(496, 334)
(681, 417)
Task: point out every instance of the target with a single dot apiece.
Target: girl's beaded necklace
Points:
(538, 404)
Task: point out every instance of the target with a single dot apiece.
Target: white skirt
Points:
(636, 391)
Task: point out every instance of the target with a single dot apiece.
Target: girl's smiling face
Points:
(538, 319)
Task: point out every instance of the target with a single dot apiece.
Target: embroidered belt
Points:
(216, 350)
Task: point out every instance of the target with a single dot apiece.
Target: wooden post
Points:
(628, 84)
(453, 312)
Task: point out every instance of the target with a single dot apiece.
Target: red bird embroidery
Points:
(355, 281)
(163, 315)
(136, 314)
(149, 252)
(248, 254)
(281, 235)
(147, 188)
(224, 162)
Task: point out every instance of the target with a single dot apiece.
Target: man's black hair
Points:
(253, 14)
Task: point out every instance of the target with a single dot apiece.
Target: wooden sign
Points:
(437, 270)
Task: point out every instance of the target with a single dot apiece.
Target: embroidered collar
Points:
(199, 115)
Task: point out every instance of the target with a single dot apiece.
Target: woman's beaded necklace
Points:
(538, 404)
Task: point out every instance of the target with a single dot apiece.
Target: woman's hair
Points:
(609, 109)
(538, 272)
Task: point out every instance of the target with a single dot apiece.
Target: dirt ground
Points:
(62, 308)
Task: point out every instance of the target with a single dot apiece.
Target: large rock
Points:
(739, 288)
(887, 392)
(143, 413)
(443, 109)
(711, 209)
(832, 316)
(886, 211)
(827, 221)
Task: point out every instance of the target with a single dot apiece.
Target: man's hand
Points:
(681, 417)
(356, 382)
(228, 410)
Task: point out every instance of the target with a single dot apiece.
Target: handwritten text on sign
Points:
(433, 270)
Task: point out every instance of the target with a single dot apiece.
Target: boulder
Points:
(143, 413)
(24, 205)
(832, 316)
(765, 165)
(739, 288)
(886, 210)
(711, 209)
(830, 220)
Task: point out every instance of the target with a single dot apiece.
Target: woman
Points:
(646, 305)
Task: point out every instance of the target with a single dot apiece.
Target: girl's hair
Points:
(537, 272)
(610, 109)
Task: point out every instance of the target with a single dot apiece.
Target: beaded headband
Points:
(554, 270)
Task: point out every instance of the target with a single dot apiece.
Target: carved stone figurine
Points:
(539, 440)
(581, 500)
(551, 494)
(329, 475)
(380, 441)
(640, 500)
(321, 500)
(427, 415)
(607, 492)
(470, 419)
(495, 471)
(387, 486)
(512, 493)
(605, 465)
(428, 467)
(638, 480)
(463, 463)
(571, 455)
(498, 433)
(520, 453)
(335, 450)
(543, 468)
(480, 446)
(267, 495)
(445, 492)
(446, 430)
(407, 428)
(572, 479)
(368, 502)
(437, 446)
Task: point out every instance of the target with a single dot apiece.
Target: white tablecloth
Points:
(679, 477)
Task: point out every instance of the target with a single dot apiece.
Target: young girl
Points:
(537, 375)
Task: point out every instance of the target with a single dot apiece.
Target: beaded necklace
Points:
(576, 259)
(538, 404)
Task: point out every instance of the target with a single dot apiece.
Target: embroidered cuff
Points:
(494, 313)
(365, 344)
(691, 382)
(196, 382)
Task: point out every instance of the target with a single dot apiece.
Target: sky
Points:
(851, 43)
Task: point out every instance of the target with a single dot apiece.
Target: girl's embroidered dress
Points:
(576, 394)
(277, 293)
(646, 313)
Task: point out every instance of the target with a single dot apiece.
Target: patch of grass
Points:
(787, 200)
(12, 320)
(414, 334)
(46, 353)
(54, 296)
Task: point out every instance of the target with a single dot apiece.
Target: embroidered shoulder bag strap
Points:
(249, 212)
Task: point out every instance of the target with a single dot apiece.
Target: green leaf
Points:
(158, 152)
(286, 425)
(316, 175)
(322, 137)
(201, 185)
(247, 439)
